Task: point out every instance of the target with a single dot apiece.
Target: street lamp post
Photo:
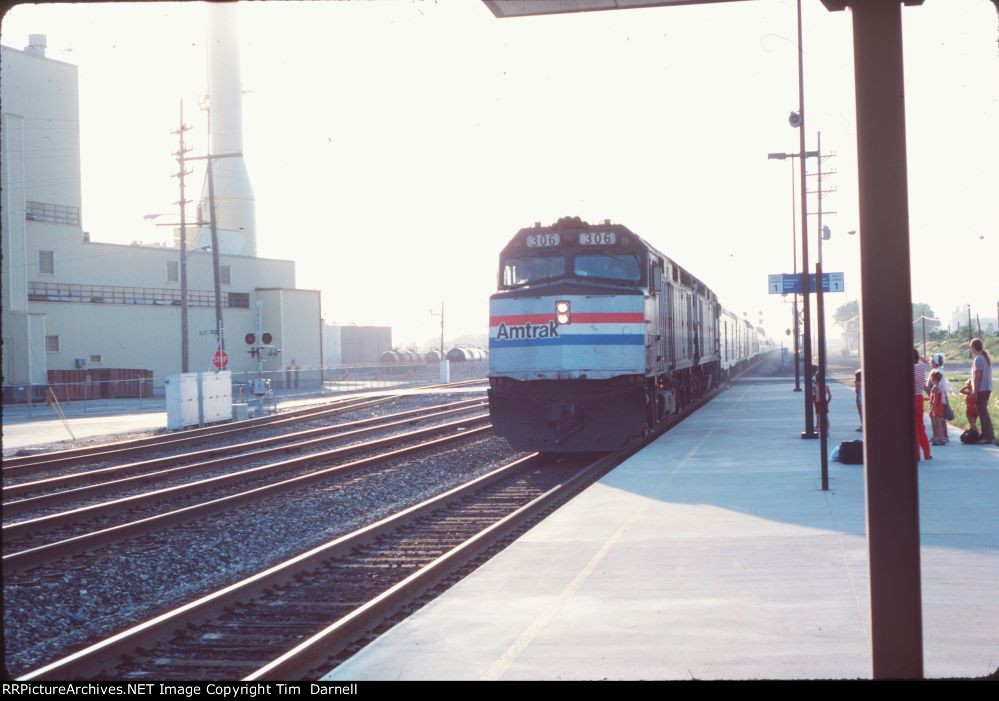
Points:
(184, 255)
(794, 257)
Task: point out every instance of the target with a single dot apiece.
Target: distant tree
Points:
(847, 317)
(920, 309)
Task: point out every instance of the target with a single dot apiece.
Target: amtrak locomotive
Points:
(595, 337)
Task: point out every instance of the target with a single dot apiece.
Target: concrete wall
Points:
(344, 345)
(92, 263)
(39, 162)
(45, 94)
(40, 153)
(292, 317)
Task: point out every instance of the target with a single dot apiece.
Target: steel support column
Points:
(886, 343)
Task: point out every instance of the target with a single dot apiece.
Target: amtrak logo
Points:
(549, 330)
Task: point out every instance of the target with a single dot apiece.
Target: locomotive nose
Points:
(565, 418)
(562, 414)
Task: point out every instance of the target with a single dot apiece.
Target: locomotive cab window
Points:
(519, 272)
(609, 266)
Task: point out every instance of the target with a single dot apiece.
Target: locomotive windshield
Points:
(617, 268)
(609, 266)
(518, 272)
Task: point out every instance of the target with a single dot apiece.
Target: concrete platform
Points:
(713, 554)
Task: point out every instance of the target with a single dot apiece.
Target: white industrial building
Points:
(70, 302)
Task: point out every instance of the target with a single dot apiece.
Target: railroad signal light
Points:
(250, 338)
(266, 338)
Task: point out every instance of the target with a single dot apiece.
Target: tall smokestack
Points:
(234, 203)
(37, 43)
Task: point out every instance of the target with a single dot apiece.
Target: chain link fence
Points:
(148, 394)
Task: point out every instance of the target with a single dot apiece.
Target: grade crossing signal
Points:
(256, 350)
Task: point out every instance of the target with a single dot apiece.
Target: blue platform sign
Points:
(791, 283)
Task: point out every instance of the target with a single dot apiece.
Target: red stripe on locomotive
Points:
(577, 318)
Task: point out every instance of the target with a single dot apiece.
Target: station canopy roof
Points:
(523, 8)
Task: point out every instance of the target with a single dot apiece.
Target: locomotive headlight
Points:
(562, 312)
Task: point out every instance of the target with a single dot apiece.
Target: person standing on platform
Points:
(816, 393)
(937, 363)
(919, 384)
(858, 389)
(981, 388)
(970, 407)
(937, 419)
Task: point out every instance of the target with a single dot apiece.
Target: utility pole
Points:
(923, 319)
(441, 315)
(445, 375)
(969, 328)
(184, 150)
(215, 234)
(216, 266)
(820, 190)
(820, 311)
(809, 431)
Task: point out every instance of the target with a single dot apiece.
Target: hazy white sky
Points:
(394, 147)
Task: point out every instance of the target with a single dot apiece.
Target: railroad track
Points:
(292, 619)
(25, 539)
(32, 464)
(352, 580)
(44, 493)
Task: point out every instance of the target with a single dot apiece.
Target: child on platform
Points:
(937, 418)
(971, 409)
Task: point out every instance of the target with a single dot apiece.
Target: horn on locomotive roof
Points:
(570, 223)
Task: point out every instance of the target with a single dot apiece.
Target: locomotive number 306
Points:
(543, 240)
(597, 238)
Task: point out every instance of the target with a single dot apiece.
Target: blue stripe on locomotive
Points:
(631, 339)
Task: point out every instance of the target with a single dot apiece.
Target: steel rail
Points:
(325, 644)
(43, 524)
(304, 657)
(93, 658)
(342, 403)
(32, 557)
(211, 458)
(15, 465)
(138, 445)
